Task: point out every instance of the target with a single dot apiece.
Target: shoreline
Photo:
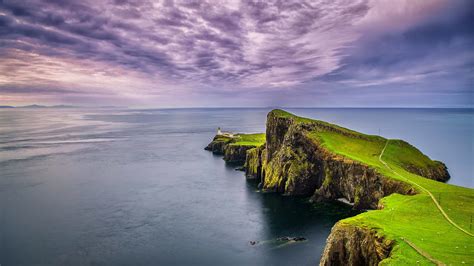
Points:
(260, 165)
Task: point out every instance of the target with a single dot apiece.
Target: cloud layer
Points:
(184, 53)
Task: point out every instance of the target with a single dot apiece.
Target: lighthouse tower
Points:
(219, 132)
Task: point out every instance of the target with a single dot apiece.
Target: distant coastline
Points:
(32, 106)
(62, 106)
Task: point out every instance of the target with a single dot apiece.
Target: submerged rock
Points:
(253, 243)
(291, 239)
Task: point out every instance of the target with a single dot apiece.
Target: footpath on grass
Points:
(424, 189)
(423, 253)
(445, 215)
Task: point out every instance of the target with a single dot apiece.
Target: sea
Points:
(117, 186)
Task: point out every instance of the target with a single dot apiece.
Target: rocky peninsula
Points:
(394, 181)
(234, 147)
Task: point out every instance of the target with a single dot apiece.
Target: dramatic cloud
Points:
(184, 53)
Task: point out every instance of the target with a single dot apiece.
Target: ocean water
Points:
(135, 187)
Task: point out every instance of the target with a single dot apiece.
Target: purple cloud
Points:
(157, 53)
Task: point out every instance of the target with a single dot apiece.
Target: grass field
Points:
(407, 219)
(257, 139)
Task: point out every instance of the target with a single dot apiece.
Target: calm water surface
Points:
(135, 187)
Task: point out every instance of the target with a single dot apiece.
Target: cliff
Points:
(296, 163)
(235, 148)
(218, 144)
(304, 157)
(254, 161)
(352, 245)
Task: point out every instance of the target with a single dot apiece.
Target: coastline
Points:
(284, 132)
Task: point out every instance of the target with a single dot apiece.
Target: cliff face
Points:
(233, 153)
(236, 153)
(439, 172)
(254, 161)
(351, 245)
(218, 144)
(295, 164)
(356, 182)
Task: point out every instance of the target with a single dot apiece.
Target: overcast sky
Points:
(237, 53)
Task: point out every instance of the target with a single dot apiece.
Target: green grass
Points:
(403, 154)
(414, 218)
(257, 139)
(222, 138)
(299, 119)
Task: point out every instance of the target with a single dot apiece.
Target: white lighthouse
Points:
(223, 133)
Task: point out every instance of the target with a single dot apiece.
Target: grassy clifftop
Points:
(234, 147)
(256, 139)
(421, 232)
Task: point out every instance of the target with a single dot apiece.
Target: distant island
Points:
(52, 106)
(410, 216)
(38, 106)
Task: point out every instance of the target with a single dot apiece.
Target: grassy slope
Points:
(414, 218)
(257, 139)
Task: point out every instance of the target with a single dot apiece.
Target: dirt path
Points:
(423, 253)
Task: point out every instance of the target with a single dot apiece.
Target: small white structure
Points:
(223, 133)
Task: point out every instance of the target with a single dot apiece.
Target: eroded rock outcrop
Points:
(227, 146)
(352, 245)
(357, 183)
(292, 166)
(294, 163)
(253, 163)
(218, 144)
(438, 172)
(236, 153)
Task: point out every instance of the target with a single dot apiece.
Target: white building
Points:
(223, 133)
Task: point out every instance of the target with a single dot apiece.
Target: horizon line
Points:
(59, 106)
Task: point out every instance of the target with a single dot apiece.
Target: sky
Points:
(236, 53)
